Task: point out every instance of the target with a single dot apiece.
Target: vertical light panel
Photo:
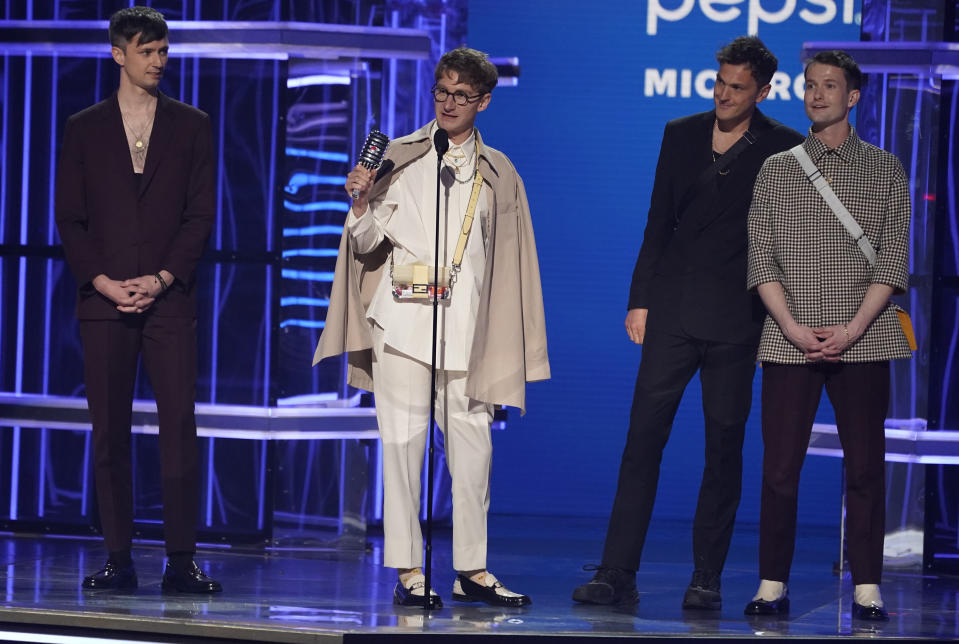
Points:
(48, 285)
(270, 241)
(3, 174)
(24, 215)
(950, 199)
(391, 90)
(217, 276)
(22, 277)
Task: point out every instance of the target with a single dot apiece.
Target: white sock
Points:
(867, 595)
(770, 590)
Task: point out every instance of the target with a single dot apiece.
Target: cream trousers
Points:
(401, 387)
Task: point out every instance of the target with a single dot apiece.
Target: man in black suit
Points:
(134, 208)
(689, 308)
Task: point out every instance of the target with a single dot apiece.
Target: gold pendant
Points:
(138, 144)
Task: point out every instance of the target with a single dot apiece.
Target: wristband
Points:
(163, 282)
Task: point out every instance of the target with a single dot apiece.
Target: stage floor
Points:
(296, 596)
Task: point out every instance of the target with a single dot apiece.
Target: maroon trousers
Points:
(859, 393)
(111, 351)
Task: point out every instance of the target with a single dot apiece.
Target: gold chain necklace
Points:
(460, 162)
(140, 141)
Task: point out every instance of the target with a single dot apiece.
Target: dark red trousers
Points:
(111, 350)
(859, 393)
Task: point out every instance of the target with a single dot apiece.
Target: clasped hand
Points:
(134, 295)
(822, 344)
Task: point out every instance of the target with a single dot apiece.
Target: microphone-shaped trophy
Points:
(372, 153)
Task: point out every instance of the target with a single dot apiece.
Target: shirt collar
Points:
(466, 146)
(424, 137)
(848, 151)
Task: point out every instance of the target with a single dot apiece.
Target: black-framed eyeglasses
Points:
(459, 97)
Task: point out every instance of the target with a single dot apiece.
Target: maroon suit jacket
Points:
(112, 224)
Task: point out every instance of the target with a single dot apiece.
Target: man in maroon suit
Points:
(134, 208)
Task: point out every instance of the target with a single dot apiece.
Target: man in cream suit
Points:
(491, 331)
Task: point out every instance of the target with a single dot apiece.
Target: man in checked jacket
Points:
(830, 324)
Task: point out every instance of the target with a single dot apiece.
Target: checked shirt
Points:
(796, 239)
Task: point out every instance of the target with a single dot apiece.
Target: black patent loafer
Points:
(608, 586)
(762, 607)
(407, 595)
(490, 592)
(703, 592)
(111, 577)
(192, 580)
(870, 613)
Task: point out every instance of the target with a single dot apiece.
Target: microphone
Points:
(372, 153)
(442, 142)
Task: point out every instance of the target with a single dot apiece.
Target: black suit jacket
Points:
(691, 269)
(112, 223)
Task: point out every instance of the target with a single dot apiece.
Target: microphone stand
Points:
(442, 144)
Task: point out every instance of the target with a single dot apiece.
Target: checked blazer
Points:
(797, 240)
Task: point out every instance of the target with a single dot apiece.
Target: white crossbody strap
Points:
(847, 220)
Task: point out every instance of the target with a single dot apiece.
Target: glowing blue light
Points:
(312, 276)
(320, 155)
(300, 179)
(313, 206)
(303, 301)
(311, 252)
(307, 324)
(312, 230)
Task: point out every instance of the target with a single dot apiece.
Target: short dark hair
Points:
(471, 66)
(752, 52)
(842, 60)
(127, 23)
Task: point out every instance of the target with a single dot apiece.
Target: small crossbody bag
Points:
(416, 282)
(852, 227)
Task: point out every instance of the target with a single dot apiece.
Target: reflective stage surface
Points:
(316, 596)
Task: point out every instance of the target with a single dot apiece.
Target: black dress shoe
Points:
(703, 592)
(762, 607)
(111, 577)
(192, 580)
(608, 586)
(405, 595)
(870, 613)
(491, 592)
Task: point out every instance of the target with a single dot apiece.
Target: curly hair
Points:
(752, 52)
(471, 66)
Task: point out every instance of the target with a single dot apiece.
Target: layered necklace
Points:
(140, 136)
(456, 160)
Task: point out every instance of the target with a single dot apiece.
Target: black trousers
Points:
(859, 393)
(668, 364)
(111, 350)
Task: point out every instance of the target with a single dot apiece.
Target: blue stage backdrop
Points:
(598, 83)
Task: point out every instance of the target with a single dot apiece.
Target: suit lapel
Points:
(159, 140)
(696, 157)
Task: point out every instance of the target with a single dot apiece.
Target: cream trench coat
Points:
(509, 342)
